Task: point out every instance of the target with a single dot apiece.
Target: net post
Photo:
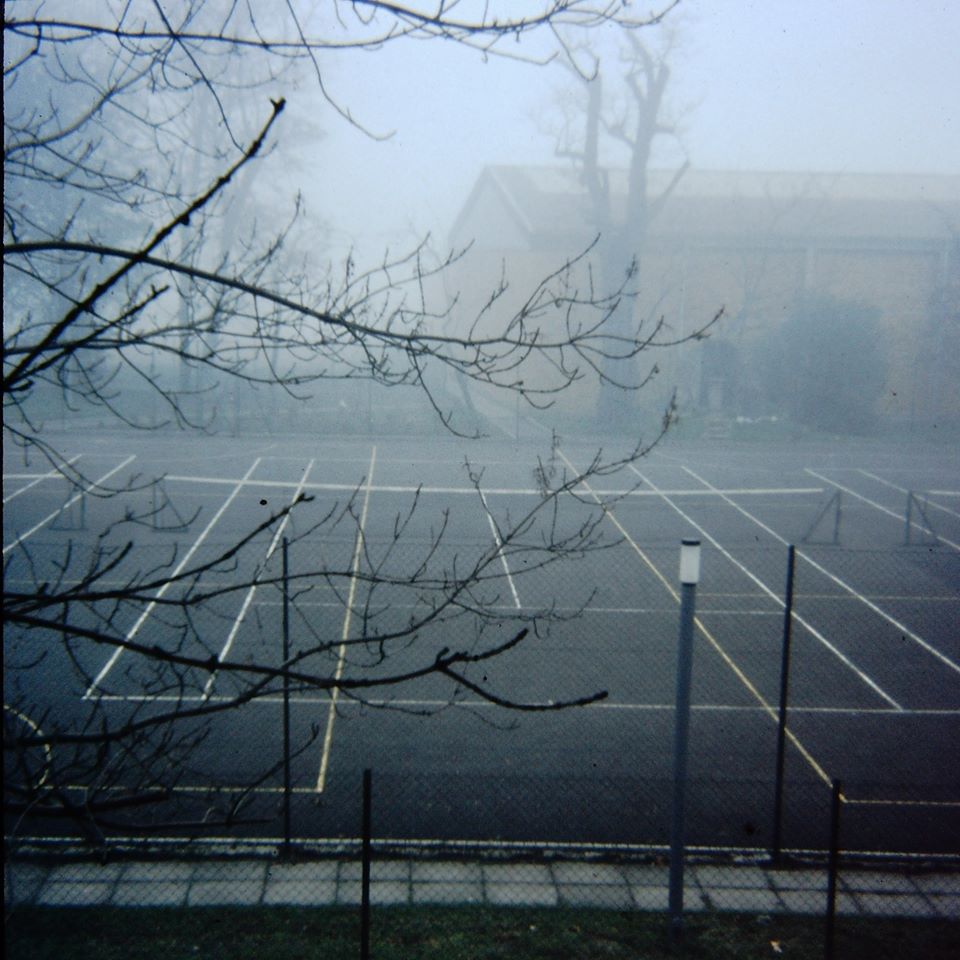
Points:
(154, 506)
(782, 717)
(832, 870)
(365, 874)
(909, 519)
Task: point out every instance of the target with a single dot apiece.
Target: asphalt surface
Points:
(874, 692)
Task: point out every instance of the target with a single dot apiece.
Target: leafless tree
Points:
(127, 267)
(623, 105)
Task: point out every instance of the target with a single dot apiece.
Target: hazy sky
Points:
(845, 85)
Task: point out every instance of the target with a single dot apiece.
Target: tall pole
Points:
(782, 719)
(286, 703)
(689, 577)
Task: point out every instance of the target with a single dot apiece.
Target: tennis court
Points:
(874, 691)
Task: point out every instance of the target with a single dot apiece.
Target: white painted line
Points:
(135, 629)
(938, 493)
(493, 491)
(877, 506)
(846, 661)
(47, 749)
(712, 640)
(904, 630)
(69, 503)
(38, 477)
(267, 845)
(248, 599)
(948, 712)
(499, 542)
(902, 803)
(345, 632)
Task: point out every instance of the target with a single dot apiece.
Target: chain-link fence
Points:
(845, 627)
(387, 862)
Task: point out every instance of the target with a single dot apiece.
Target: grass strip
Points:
(454, 933)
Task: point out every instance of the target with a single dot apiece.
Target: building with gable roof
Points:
(754, 243)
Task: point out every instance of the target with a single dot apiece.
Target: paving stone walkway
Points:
(749, 889)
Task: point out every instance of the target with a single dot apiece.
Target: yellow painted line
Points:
(845, 660)
(740, 675)
(897, 625)
(345, 633)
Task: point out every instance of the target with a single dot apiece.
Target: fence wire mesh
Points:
(460, 836)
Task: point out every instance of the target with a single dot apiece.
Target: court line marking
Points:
(741, 676)
(869, 681)
(877, 506)
(904, 597)
(310, 699)
(904, 630)
(47, 749)
(345, 632)
(38, 477)
(248, 599)
(493, 491)
(936, 506)
(340, 844)
(705, 595)
(90, 486)
(318, 588)
(142, 619)
(499, 543)
(853, 801)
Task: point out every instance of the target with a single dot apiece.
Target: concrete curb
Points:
(236, 883)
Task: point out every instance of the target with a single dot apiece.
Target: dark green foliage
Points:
(826, 366)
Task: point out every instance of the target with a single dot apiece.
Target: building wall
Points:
(757, 280)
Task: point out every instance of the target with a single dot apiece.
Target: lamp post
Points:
(689, 577)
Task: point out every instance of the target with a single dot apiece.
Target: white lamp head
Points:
(689, 561)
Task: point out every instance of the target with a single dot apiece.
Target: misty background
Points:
(820, 140)
(859, 86)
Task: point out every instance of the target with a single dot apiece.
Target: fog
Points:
(811, 154)
(546, 303)
(817, 88)
(860, 86)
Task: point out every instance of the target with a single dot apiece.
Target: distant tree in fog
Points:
(825, 366)
(622, 105)
(938, 355)
(129, 259)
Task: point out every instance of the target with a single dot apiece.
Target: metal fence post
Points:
(689, 576)
(365, 874)
(286, 702)
(832, 870)
(782, 719)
